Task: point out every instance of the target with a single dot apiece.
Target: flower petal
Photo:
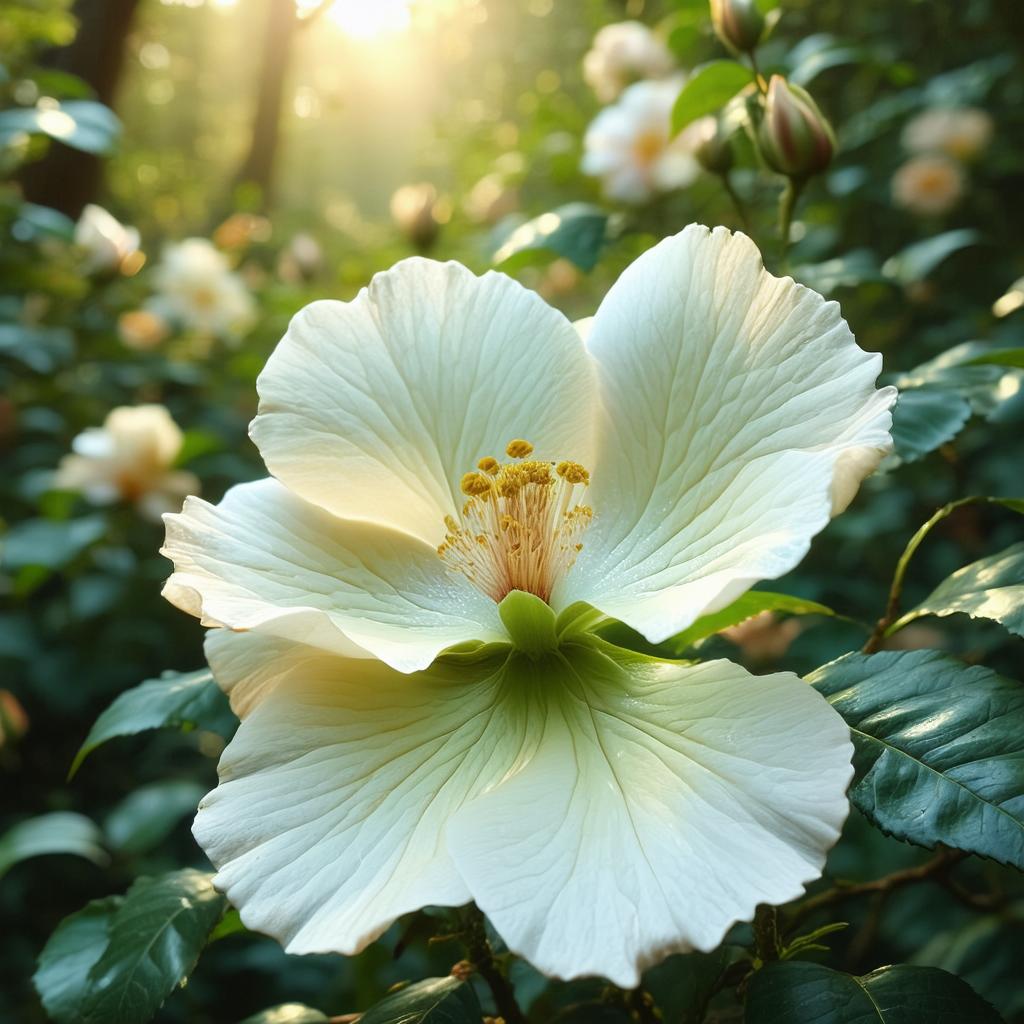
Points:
(738, 412)
(265, 559)
(334, 795)
(374, 409)
(664, 802)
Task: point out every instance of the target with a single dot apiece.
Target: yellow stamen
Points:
(518, 449)
(520, 525)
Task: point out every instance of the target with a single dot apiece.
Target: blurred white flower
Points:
(105, 242)
(602, 808)
(142, 329)
(129, 459)
(960, 132)
(624, 53)
(929, 185)
(197, 289)
(629, 145)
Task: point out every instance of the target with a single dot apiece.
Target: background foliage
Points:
(486, 102)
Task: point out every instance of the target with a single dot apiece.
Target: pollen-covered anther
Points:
(520, 525)
(518, 449)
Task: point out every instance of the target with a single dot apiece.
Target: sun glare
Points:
(368, 19)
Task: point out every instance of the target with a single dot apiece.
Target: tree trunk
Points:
(66, 179)
(258, 166)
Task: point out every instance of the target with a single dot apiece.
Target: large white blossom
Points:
(623, 53)
(105, 242)
(629, 145)
(196, 289)
(406, 608)
(130, 458)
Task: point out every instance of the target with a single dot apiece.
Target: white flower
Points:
(621, 54)
(629, 145)
(928, 185)
(104, 240)
(602, 808)
(142, 329)
(959, 132)
(197, 289)
(129, 459)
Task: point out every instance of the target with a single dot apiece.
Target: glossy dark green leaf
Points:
(60, 832)
(68, 956)
(800, 992)
(1000, 357)
(986, 386)
(147, 816)
(576, 232)
(49, 543)
(991, 588)
(917, 261)
(925, 419)
(174, 701)
(287, 1013)
(154, 940)
(683, 985)
(433, 1001)
(939, 749)
(707, 90)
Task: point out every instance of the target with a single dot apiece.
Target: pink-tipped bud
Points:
(794, 137)
(738, 23)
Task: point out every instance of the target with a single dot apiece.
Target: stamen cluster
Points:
(520, 525)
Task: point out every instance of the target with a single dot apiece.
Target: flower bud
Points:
(738, 23)
(712, 149)
(794, 136)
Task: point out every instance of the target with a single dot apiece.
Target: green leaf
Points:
(939, 749)
(433, 1001)
(1000, 357)
(991, 588)
(81, 124)
(986, 386)
(592, 1013)
(60, 832)
(925, 419)
(154, 940)
(146, 817)
(707, 90)
(917, 261)
(683, 985)
(577, 232)
(287, 1013)
(746, 607)
(68, 956)
(800, 992)
(174, 701)
(50, 543)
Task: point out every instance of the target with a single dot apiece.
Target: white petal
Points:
(374, 409)
(329, 819)
(732, 403)
(264, 559)
(663, 804)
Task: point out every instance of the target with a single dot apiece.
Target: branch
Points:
(474, 936)
(937, 866)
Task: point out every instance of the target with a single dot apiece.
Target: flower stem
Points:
(787, 203)
(474, 937)
(759, 81)
(741, 210)
(766, 933)
(892, 608)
